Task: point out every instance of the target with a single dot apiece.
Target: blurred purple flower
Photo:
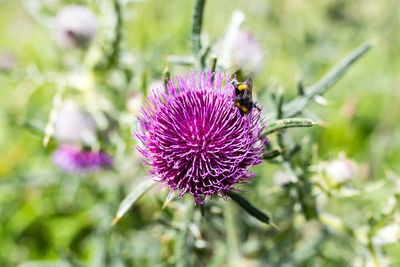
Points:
(74, 159)
(76, 26)
(195, 139)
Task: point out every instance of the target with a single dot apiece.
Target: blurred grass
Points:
(299, 38)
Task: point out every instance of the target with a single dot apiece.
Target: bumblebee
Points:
(243, 96)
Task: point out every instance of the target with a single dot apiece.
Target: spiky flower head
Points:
(194, 138)
(74, 159)
(76, 26)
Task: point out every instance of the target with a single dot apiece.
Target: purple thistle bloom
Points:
(195, 139)
(73, 159)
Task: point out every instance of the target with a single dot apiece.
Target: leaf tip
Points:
(321, 100)
(319, 123)
(116, 219)
(274, 225)
(374, 41)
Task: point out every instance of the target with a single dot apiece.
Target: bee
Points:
(243, 96)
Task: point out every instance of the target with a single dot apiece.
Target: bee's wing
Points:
(250, 85)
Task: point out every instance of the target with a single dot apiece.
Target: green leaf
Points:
(133, 196)
(296, 106)
(247, 206)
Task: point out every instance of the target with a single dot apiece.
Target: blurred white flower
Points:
(74, 125)
(282, 178)
(155, 84)
(239, 49)
(387, 235)
(134, 102)
(389, 205)
(135, 99)
(76, 26)
(81, 80)
(341, 170)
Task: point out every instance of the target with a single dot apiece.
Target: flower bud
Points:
(76, 26)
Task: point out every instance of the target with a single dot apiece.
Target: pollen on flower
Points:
(194, 138)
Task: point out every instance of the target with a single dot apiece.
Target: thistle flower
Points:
(195, 139)
(74, 159)
(76, 26)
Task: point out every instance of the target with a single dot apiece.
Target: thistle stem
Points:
(287, 123)
(166, 76)
(231, 234)
(182, 251)
(196, 26)
(112, 56)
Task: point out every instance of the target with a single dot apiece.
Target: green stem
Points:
(182, 251)
(114, 53)
(287, 123)
(371, 249)
(196, 26)
(213, 63)
(166, 76)
(231, 234)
